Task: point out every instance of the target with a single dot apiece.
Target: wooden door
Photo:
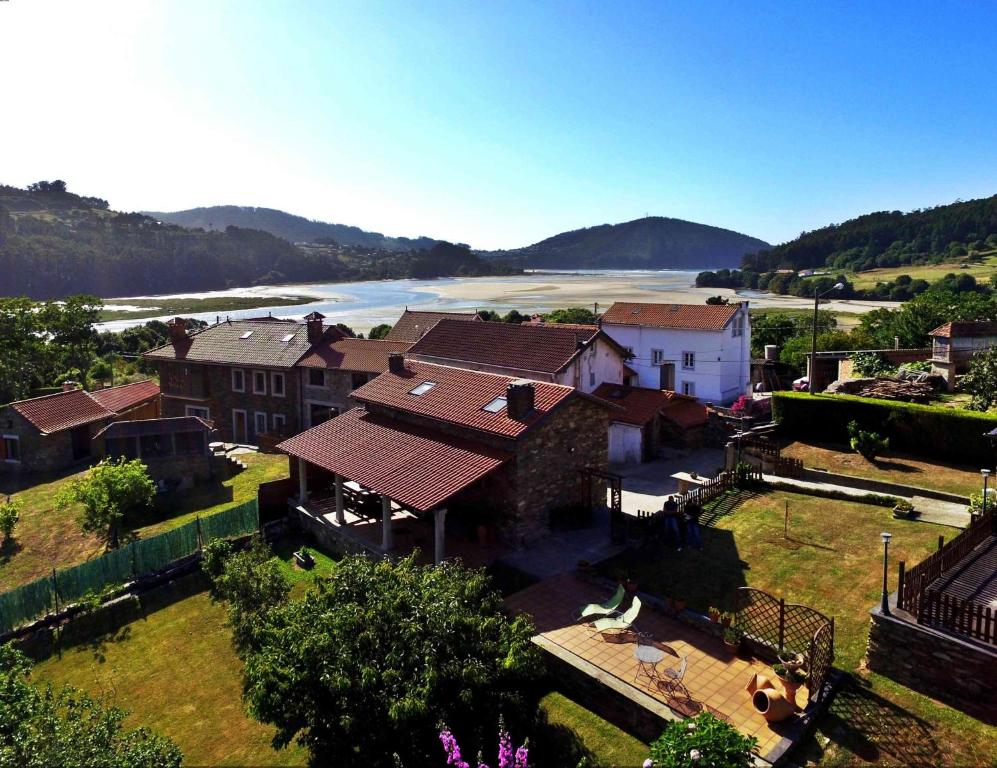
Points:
(239, 427)
(668, 376)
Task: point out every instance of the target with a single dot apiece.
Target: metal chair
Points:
(671, 678)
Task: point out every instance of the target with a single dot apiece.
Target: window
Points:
(260, 422)
(11, 448)
(422, 388)
(287, 338)
(316, 377)
(259, 383)
(358, 379)
(738, 327)
(495, 405)
(279, 422)
(689, 388)
(319, 413)
(238, 380)
(277, 384)
(196, 410)
(688, 361)
(175, 376)
(246, 335)
(657, 356)
(591, 378)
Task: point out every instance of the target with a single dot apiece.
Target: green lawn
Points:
(981, 270)
(47, 538)
(573, 732)
(832, 561)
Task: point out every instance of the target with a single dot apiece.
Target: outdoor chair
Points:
(606, 608)
(671, 678)
(620, 624)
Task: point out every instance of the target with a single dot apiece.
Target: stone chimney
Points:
(520, 398)
(69, 386)
(315, 327)
(396, 362)
(178, 331)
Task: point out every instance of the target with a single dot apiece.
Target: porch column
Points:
(439, 531)
(340, 516)
(386, 539)
(302, 481)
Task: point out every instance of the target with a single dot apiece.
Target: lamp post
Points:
(813, 346)
(885, 607)
(986, 477)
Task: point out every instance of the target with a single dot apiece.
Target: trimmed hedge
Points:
(943, 433)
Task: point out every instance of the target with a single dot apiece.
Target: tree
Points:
(111, 494)
(581, 315)
(867, 444)
(41, 727)
(372, 660)
(379, 331)
(981, 380)
(10, 513)
(514, 316)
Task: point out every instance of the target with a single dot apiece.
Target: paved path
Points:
(645, 486)
(561, 550)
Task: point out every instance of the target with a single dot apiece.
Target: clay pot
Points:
(757, 682)
(790, 687)
(772, 705)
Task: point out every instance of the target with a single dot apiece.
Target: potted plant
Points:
(791, 678)
(714, 614)
(727, 618)
(304, 559)
(732, 639)
(903, 509)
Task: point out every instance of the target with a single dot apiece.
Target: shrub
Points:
(981, 380)
(10, 513)
(942, 433)
(871, 364)
(703, 740)
(213, 557)
(869, 444)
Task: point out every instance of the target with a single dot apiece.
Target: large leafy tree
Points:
(41, 727)
(981, 380)
(371, 661)
(111, 494)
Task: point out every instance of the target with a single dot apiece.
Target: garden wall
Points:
(960, 673)
(946, 433)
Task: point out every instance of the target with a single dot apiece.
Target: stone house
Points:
(579, 356)
(954, 345)
(492, 449)
(650, 419)
(175, 449)
(334, 367)
(239, 374)
(700, 350)
(413, 324)
(53, 432)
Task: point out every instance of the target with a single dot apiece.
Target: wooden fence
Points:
(963, 617)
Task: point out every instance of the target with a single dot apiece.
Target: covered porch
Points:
(388, 486)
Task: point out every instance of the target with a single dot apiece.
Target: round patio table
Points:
(648, 657)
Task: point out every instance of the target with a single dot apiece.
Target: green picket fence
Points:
(119, 566)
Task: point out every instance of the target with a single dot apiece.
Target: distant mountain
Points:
(654, 242)
(295, 229)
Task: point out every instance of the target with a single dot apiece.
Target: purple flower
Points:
(505, 755)
(522, 755)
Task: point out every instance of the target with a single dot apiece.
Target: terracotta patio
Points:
(715, 680)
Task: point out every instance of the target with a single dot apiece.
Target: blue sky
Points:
(500, 123)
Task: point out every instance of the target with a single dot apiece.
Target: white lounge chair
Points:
(604, 609)
(621, 624)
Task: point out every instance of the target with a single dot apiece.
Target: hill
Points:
(888, 239)
(295, 229)
(654, 242)
(54, 243)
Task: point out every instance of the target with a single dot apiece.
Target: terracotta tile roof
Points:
(696, 317)
(966, 328)
(363, 355)
(61, 411)
(415, 467)
(546, 349)
(164, 426)
(459, 397)
(413, 324)
(640, 405)
(122, 398)
(224, 343)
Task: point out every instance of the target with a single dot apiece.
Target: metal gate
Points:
(614, 482)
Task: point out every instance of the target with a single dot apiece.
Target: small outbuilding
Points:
(174, 449)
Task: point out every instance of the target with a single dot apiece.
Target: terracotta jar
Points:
(772, 705)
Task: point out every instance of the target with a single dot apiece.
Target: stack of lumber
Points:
(898, 389)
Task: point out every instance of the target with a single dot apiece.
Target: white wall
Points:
(722, 368)
(625, 444)
(598, 364)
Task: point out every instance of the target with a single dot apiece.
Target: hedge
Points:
(943, 433)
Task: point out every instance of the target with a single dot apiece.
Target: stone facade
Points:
(43, 453)
(187, 386)
(961, 673)
(334, 393)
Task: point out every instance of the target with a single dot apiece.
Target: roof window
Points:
(246, 335)
(287, 338)
(422, 388)
(495, 405)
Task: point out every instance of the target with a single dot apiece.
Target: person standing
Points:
(670, 510)
(693, 511)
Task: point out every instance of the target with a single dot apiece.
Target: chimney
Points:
(178, 331)
(396, 362)
(520, 397)
(69, 386)
(315, 327)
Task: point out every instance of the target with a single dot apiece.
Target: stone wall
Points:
(335, 393)
(40, 453)
(961, 673)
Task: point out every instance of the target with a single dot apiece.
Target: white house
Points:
(701, 350)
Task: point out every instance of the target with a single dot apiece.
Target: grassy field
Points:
(47, 538)
(846, 320)
(187, 306)
(830, 560)
(982, 270)
(891, 467)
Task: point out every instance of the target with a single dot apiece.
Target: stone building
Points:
(427, 438)
(52, 432)
(175, 449)
(578, 356)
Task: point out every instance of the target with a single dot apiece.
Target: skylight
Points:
(495, 405)
(287, 338)
(246, 335)
(422, 388)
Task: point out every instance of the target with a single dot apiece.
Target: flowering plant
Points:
(703, 741)
(507, 757)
